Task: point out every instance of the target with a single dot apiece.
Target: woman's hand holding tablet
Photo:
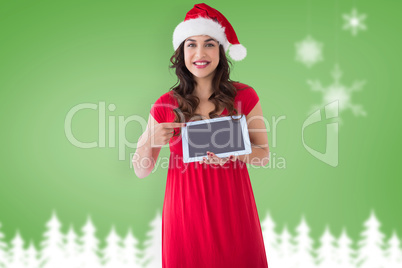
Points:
(213, 159)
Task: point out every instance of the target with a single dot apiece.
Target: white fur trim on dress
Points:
(199, 26)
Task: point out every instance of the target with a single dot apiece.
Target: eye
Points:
(211, 45)
(190, 45)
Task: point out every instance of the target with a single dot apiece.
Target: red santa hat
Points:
(205, 20)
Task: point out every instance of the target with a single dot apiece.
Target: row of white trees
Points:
(373, 251)
(284, 250)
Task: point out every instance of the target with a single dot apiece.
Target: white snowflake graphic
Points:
(354, 22)
(309, 51)
(337, 91)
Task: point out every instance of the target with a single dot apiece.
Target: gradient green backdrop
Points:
(56, 55)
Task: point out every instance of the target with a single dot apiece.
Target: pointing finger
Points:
(174, 125)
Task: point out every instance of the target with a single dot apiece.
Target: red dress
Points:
(209, 216)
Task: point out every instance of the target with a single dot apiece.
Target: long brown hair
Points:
(224, 92)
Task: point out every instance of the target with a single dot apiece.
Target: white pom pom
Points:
(237, 52)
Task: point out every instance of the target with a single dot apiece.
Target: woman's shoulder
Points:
(167, 97)
(241, 86)
(246, 97)
(161, 109)
(244, 90)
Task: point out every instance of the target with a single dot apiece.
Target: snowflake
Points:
(308, 51)
(338, 92)
(354, 22)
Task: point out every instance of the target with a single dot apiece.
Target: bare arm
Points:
(149, 145)
(258, 138)
(145, 156)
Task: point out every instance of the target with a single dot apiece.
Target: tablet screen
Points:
(223, 136)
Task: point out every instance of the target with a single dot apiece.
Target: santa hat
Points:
(205, 20)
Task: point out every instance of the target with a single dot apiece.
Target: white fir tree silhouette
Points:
(286, 249)
(52, 247)
(270, 240)
(370, 252)
(3, 249)
(113, 252)
(130, 251)
(120, 253)
(345, 251)
(304, 246)
(32, 260)
(89, 255)
(394, 252)
(17, 253)
(72, 249)
(153, 245)
(327, 250)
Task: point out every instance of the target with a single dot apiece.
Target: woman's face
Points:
(201, 55)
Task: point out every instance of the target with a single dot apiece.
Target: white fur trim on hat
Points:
(237, 52)
(199, 26)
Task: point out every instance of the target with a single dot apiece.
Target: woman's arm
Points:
(145, 156)
(258, 137)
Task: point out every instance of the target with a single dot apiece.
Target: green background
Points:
(55, 55)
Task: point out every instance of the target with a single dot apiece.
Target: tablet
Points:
(223, 136)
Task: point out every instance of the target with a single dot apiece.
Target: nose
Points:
(200, 51)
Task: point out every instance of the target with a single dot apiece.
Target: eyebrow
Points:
(211, 39)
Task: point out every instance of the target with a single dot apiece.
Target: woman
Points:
(209, 216)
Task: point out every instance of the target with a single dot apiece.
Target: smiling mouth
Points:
(203, 63)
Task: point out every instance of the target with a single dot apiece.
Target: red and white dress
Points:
(209, 217)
